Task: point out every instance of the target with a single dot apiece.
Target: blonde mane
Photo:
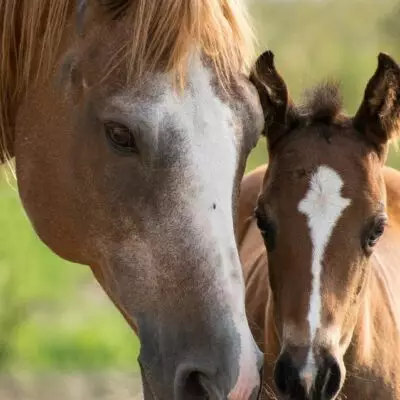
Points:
(163, 33)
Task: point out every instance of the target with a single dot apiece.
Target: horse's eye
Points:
(375, 233)
(267, 229)
(120, 137)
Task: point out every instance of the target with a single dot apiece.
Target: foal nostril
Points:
(288, 381)
(332, 378)
(285, 374)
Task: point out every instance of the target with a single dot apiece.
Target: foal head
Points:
(131, 165)
(321, 213)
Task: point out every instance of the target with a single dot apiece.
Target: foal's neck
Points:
(373, 354)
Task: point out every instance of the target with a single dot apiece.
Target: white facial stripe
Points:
(323, 205)
(209, 129)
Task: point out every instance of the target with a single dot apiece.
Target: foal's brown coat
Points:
(372, 357)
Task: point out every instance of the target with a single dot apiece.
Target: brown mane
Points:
(161, 31)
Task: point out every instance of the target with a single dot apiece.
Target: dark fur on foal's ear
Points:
(378, 117)
(273, 95)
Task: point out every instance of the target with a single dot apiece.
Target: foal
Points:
(329, 215)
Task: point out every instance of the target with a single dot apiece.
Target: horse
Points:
(116, 113)
(319, 237)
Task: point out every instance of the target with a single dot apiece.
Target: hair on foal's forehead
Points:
(323, 103)
(319, 113)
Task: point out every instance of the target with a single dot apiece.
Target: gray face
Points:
(139, 182)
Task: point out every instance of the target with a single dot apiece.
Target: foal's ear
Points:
(273, 95)
(378, 117)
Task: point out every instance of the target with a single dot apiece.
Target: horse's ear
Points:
(273, 95)
(378, 117)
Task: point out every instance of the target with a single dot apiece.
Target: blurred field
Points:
(53, 317)
(77, 386)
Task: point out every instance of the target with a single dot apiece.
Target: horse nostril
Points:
(332, 379)
(280, 376)
(194, 385)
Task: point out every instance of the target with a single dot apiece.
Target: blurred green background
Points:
(53, 316)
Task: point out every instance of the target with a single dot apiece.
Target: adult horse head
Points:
(322, 211)
(130, 133)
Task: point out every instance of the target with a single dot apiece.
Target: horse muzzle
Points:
(184, 366)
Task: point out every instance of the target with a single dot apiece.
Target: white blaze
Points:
(323, 205)
(208, 153)
(212, 152)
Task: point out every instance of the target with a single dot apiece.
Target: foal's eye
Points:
(120, 137)
(267, 229)
(375, 233)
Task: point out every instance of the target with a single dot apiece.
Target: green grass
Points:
(52, 314)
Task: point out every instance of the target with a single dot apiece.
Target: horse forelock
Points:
(163, 35)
